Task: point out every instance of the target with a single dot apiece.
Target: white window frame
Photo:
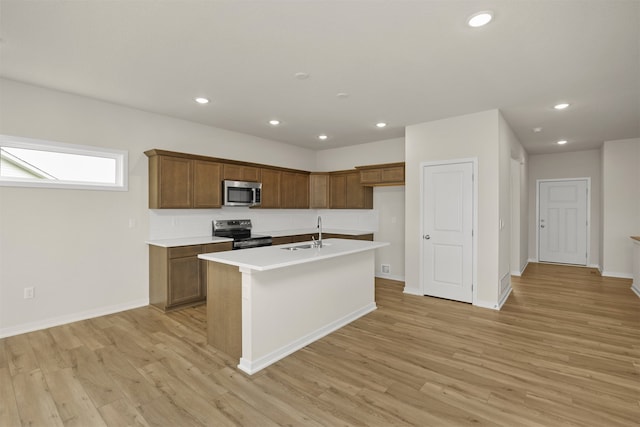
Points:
(121, 158)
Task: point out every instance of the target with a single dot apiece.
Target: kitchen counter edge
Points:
(203, 240)
(273, 257)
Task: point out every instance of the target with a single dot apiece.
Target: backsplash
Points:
(178, 223)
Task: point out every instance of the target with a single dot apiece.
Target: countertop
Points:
(203, 240)
(273, 257)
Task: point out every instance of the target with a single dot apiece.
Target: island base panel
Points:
(224, 308)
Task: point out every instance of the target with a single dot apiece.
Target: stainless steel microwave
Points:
(241, 193)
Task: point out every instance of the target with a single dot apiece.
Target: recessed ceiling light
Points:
(381, 124)
(480, 19)
(342, 95)
(562, 142)
(202, 100)
(537, 130)
(322, 137)
(301, 76)
(561, 106)
(274, 122)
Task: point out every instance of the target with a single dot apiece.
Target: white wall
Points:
(387, 201)
(75, 246)
(514, 236)
(621, 205)
(576, 164)
(474, 135)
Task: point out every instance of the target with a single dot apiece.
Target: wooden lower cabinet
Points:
(297, 238)
(282, 240)
(177, 276)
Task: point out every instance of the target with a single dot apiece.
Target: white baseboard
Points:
(413, 291)
(519, 273)
(253, 366)
(504, 297)
(486, 304)
(617, 275)
(636, 289)
(390, 276)
(70, 318)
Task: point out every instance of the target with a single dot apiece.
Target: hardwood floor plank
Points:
(74, 405)
(563, 351)
(121, 413)
(129, 381)
(182, 395)
(92, 373)
(50, 357)
(19, 354)
(9, 415)
(35, 404)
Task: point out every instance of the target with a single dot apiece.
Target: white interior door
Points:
(447, 226)
(562, 221)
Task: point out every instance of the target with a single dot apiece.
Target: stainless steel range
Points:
(240, 231)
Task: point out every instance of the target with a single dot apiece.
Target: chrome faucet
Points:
(319, 227)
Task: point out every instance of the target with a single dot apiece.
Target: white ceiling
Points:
(402, 62)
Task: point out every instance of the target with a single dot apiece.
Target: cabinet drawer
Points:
(184, 251)
(216, 247)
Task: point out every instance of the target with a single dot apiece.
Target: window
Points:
(28, 162)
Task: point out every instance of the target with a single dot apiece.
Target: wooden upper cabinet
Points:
(338, 191)
(270, 188)
(381, 175)
(170, 182)
(346, 192)
(319, 188)
(294, 190)
(207, 184)
(180, 183)
(241, 173)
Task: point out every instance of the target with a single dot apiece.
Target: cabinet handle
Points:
(426, 237)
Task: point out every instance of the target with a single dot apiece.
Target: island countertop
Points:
(274, 257)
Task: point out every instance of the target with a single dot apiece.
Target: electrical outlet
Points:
(29, 293)
(386, 268)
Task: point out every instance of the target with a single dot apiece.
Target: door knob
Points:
(426, 237)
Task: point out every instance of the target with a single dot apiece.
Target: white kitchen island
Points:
(265, 303)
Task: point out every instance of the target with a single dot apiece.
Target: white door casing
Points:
(447, 230)
(563, 221)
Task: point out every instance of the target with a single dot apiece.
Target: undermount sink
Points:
(305, 246)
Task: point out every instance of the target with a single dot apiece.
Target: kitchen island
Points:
(265, 303)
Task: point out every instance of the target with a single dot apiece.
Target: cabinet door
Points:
(338, 191)
(294, 190)
(301, 192)
(207, 184)
(184, 279)
(371, 176)
(319, 191)
(175, 183)
(270, 188)
(241, 173)
(358, 196)
(393, 174)
(287, 190)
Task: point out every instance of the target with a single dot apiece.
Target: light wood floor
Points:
(564, 350)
